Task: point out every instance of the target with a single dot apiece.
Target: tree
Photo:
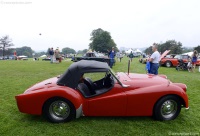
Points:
(187, 49)
(85, 50)
(101, 41)
(175, 47)
(197, 48)
(148, 50)
(82, 51)
(24, 51)
(68, 50)
(5, 42)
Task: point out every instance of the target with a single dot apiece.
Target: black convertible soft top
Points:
(72, 76)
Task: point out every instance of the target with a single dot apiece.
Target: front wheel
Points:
(167, 108)
(59, 110)
(168, 64)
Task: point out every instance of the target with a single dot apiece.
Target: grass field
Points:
(16, 76)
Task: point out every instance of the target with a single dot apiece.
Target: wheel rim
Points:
(168, 64)
(168, 108)
(59, 110)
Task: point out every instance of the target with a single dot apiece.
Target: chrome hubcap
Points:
(59, 110)
(169, 108)
(168, 64)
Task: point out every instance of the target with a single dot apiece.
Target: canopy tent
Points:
(133, 51)
(137, 50)
(43, 56)
(129, 51)
(188, 53)
(22, 56)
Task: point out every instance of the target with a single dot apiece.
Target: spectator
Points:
(121, 56)
(154, 59)
(57, 54)
(194, 58)
(189, 65)
(112, 57)
(118, 56)
(148, 66)
(51, 53)
(131, 56)
(143, 56)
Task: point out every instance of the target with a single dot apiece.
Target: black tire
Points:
(168, 64)
(58, 110)
(167, 108)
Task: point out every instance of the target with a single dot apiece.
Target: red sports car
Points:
(90, 88)
(169, 62)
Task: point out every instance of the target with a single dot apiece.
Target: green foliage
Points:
(101, 41)
(175, 47)
(187, 49)
(85, 50)
(5, 42)
(68, 50)
(24, 51)
(38, 54)
(17, 76)
(82, 51)
(197, 48)
(148, 50)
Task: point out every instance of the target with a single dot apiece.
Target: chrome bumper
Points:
(79, 111)
(187, 108)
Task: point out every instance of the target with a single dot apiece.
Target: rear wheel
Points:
(59, 110)
(167, 108)
(168, 64)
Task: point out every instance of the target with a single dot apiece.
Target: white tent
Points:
(22, 56)
(43, 56)
(188, 53)
(138, 51)
(129, 51)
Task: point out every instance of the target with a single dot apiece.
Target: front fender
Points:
(140, 102)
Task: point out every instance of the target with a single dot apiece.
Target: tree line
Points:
(174, 46)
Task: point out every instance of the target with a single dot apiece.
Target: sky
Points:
(68, 23)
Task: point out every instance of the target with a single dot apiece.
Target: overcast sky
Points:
(68, 23)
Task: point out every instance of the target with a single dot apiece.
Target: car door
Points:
(111, 103)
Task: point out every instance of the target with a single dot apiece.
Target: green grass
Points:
(17, 76)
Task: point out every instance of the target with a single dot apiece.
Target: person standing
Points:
(57, 54)
(154, 59)
(51, 53)
(112, 57)
(15, 55)
(131, 56)
(194, 59)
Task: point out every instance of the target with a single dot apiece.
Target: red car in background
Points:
(170, 62)
(103, 93)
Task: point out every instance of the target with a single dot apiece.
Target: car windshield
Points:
(115, 77)
(177, 57)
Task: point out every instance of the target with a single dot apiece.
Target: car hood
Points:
(164, 54)
(142, 80)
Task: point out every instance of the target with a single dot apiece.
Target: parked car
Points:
(92, 56)
(143, 60)
(169, 62)
(46, 59)
(103, 93)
